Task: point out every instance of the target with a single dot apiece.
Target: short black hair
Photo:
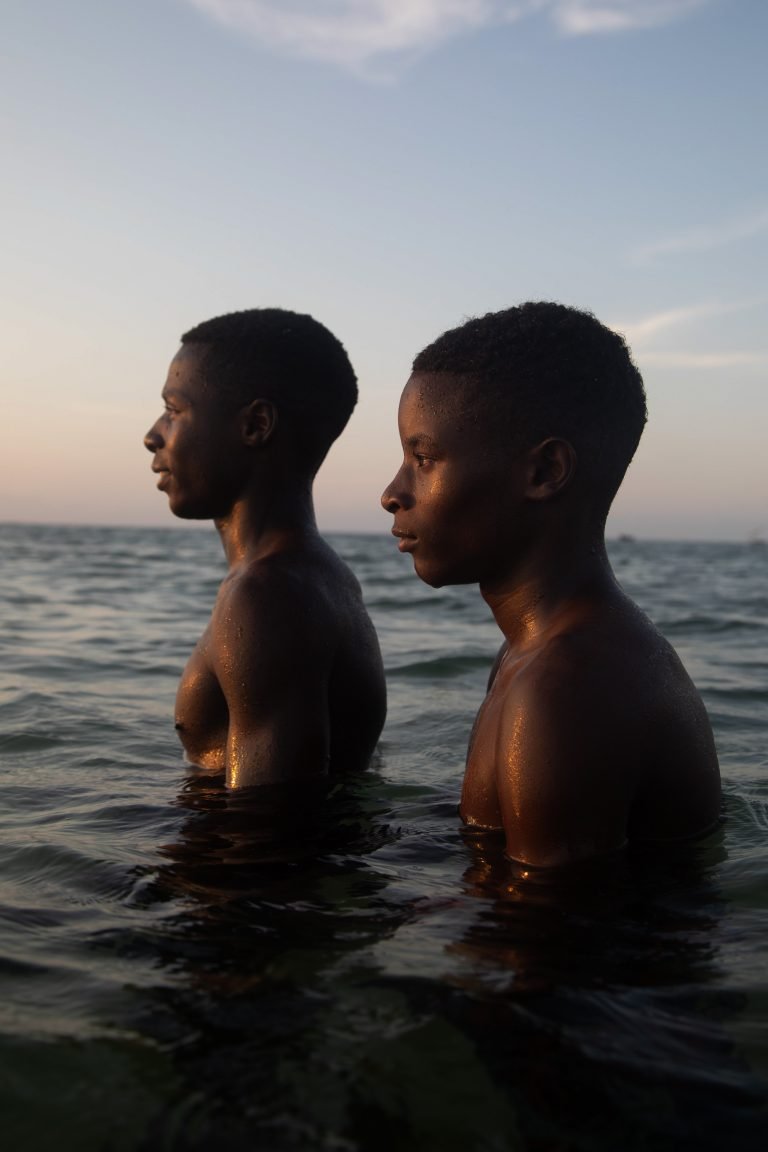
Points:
(551, 370)
(288, 358)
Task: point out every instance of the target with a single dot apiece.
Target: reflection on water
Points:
(593, 993)
(272, 900)
(567, 1004)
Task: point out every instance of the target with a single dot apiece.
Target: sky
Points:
(391, 167)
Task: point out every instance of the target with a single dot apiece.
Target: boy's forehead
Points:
(446, 410)
(450, 402)
(187, 366)
(440, 391)
(190, 357)
(465, 418)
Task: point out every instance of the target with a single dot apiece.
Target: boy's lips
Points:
(163, 476)
(405, 540)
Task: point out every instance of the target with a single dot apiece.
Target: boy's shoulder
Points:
(599, 650)
(609, 687)
(598, 728)
(294, 574)
(295, 597)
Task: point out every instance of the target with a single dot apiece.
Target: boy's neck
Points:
(549, 590)
(270, 521)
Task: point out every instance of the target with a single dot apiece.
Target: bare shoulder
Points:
(616, 730)
(619, 684)
(296, 587)
(294, 626)
(288, 678)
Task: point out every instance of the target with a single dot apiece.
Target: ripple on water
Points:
(382, 979)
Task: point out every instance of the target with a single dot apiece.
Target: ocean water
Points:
(181, 971)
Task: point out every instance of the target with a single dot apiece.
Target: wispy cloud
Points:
(354, 33)
(591, 17)
(639, 331)
(704, 239)
(358, 33)
(706, 359)
(641, 335)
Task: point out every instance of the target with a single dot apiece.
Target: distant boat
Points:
(626, 538)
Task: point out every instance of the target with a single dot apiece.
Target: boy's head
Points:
(545, 370)
(287, 358)
(517, 423)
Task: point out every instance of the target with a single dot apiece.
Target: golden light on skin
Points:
(235, 767)
(485, 795)
(512, 768)
(200, 748)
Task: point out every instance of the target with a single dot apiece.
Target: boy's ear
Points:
(258, 421)
(552, 466)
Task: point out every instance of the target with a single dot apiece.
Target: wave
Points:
(441, 667)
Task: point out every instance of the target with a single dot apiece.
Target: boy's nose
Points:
(388, 501)
(152, 440)
(393, 498)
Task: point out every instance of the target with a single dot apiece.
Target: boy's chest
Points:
(201, 714)
(487, 749)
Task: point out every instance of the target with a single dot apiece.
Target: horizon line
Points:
(755, 537)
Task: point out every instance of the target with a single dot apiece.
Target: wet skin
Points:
(591, 732)
(286, 682)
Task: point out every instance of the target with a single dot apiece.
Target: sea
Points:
(184, 970)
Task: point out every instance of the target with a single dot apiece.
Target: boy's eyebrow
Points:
(169, 393)
(420, 440)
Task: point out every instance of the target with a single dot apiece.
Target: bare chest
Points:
(201, 714)
(480, 797)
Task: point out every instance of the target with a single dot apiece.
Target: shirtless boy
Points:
(517, 429)
(286, 681)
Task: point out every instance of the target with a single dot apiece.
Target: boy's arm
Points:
(273, 664)
(565, 769)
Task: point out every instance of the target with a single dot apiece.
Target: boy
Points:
(286, 681)
(517, 429)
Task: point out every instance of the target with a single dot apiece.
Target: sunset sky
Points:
(391, 166)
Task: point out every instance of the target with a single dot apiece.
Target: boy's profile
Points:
(287, 680)
(517, 429)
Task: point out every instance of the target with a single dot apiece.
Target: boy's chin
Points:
(438, 576)
(185, 510)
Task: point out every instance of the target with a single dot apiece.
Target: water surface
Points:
(181, 972)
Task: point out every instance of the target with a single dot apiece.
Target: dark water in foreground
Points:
(180, 973)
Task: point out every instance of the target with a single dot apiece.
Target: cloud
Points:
(591, 17)
(706, 359)
(641, 333)
(357, 33)
(638, 331)
(704, 239)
